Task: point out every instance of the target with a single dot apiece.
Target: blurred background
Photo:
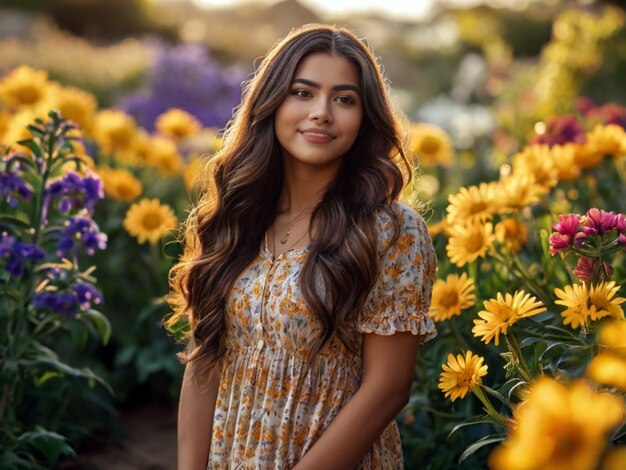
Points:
(483, 73)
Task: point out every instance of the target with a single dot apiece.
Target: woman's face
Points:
(319, 120)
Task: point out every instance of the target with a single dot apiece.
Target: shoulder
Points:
(410, 229)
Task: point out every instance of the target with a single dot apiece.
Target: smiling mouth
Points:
(317, 136)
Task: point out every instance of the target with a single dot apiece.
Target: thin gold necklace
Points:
(289, 248)
(285, 238)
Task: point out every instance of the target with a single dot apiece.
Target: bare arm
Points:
(195, 421)
(388, 367)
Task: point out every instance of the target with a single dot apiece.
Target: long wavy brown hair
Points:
(242, 185)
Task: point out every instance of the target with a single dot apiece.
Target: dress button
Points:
(260, 344)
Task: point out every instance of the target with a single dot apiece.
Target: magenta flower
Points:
(598, 222)
(620, 223)
(561, 130)
(567, 225)
(589, 269)
(559, 242)
(621, 239)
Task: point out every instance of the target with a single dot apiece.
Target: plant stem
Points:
(520, 363)
(491, 411)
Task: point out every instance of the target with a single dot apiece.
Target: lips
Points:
(317, 135)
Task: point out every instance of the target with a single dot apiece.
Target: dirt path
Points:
(150, 443)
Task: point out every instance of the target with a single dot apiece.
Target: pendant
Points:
(285, 237)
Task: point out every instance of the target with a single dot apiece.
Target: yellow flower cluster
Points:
(585, 303)
(609, 366)
(430, 144)
(559, 427)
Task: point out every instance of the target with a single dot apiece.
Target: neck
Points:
(304, 187)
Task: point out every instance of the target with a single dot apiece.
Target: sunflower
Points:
(148, 220)
(502, 312)
(177, 124)
(16, 129)
(535, 160)
(74, 104)
(475, 203)
(116, 133)
(24, 87)
(451, 296)
(512, 233)
(120, 184)
(469, 242)
(608, 369)
(431, 144)
(460, 374)
(602, 297)
(606, 140)
(576, 299)
(559, 428)
(163, 155)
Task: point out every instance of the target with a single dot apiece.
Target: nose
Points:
(320, 112)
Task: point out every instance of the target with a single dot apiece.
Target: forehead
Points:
(325, 68)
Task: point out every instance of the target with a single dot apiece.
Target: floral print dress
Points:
(272, 406)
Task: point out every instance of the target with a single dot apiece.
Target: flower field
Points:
(528, 218)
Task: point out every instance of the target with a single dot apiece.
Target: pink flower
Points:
(558, 242)
(589, 269)
(621, 239)
(620, 223)
(598, 222)
(561, 130)
(567, 225)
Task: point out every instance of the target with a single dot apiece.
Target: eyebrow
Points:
(316, 85)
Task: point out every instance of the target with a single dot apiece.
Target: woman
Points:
(306, 284)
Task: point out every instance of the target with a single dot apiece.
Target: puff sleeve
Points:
(400, 298)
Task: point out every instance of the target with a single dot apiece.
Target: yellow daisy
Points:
(518, 191)
(576, 299)
(191, 173)
(606, 140)
(602, 297)
(536, 160)
(475, 203)
(502, 312)
(469, 242)
(74, 104)
(16, 128)
(177, 124)
(24, 87)
(512, 233)
(451, 296)
(431, 144)
(116, 133)
(460, 374)
(163, 155)
(564, 159)
(608, 369)
(559, 428)
(613, 335)
(615, 459)
(148, 220)
(120, 184)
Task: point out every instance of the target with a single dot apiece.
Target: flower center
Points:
(475, 242)
(151, 221)
(430, 144)
(465, 378)
(28, 95)
(450, 298)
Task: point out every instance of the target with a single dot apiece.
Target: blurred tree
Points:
(103, 20)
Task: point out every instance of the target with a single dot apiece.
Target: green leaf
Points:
(55, 365)
(471, 421)
(32, 145)
(101, 323)
(47, 443)
(13, 222)
(478, 444)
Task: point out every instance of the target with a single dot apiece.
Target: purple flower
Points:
(16, 253)
(589, 269)
(598, 222)
(86, 295)
(561, 130)
(187, 77)
(81, 232)
(68, 302)
(75, 192)
(12, 188)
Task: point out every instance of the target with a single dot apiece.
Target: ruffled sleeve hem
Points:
(387, 325)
